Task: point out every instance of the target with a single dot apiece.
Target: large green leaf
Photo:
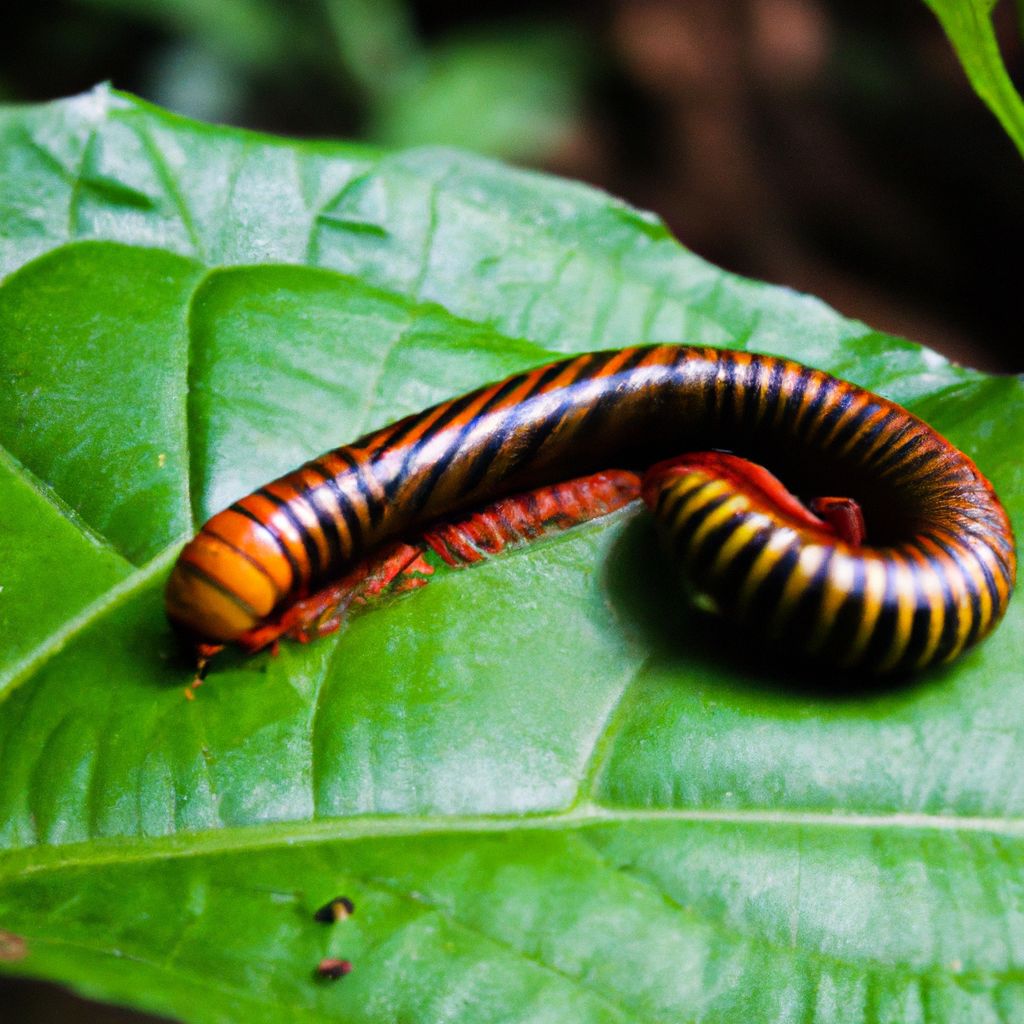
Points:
(553, 792)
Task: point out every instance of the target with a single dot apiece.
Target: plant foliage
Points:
(968, 23)
(553, 792)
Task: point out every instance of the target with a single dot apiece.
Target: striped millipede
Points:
(933, 577)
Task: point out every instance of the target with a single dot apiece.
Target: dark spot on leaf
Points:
(333, 969)
(337, 909)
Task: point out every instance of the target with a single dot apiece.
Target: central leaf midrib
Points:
(33, 860)
(22, 671)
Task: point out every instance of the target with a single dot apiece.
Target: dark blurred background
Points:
(831, 145)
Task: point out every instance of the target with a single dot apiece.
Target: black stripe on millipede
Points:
(853, 425)
(950, 609)
(525, 454)
(308, 542)
(703, 557)
(375, 505)
(326, 521)
(708, 365)
(501, 394)
(836, 410)
(725, 393)
(189, 567)
(920, 621)
(400, 430)
(672, 499)
(282, 547)
(245, 556)
(956, 554)
(593, 420)
(401, 475)
(752, 388)
(683, 532)
(455, 408)
(425, 488)
(329, 526)
(733, 576)
(896, 456)
(483, 459)
(893, 441)
(886, 628)
(864, 442)
(795, 398)
(488, 452)
(937, 564)
(767, 596)
(841, 633)
(821, 398)
(485, 456)
(1004, 565)
(803, 615)
(774, 388)
(990, 581)
(547, 377)
(920, 460)
(348, 513)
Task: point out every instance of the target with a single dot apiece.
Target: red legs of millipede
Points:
(512, 522)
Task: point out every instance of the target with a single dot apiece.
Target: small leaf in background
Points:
(553, 791)
(377, 44)
(968, 23)
(513, 92)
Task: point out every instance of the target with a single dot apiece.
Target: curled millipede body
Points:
(933, 576)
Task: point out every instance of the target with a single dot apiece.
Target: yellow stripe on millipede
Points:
(984, 594)
(815, 383)
(872, 596)
(767, 559)
(725, 511)
(836, 588)
(739, 539)
(671, 498)
(883, 439)
(879, 414)
(905, 605)
(932, 587)
(853, 409)
(807, 565)
(695, 502)
(742, 362)
(767, 369)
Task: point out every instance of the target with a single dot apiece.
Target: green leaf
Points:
(968, 23)
(551, 790)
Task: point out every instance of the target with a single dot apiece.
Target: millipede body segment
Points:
(933, 577)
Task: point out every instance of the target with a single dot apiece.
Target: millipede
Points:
(912, 563)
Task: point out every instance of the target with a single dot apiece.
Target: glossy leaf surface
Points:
(552, 790)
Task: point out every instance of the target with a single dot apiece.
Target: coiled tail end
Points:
(756, 554)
